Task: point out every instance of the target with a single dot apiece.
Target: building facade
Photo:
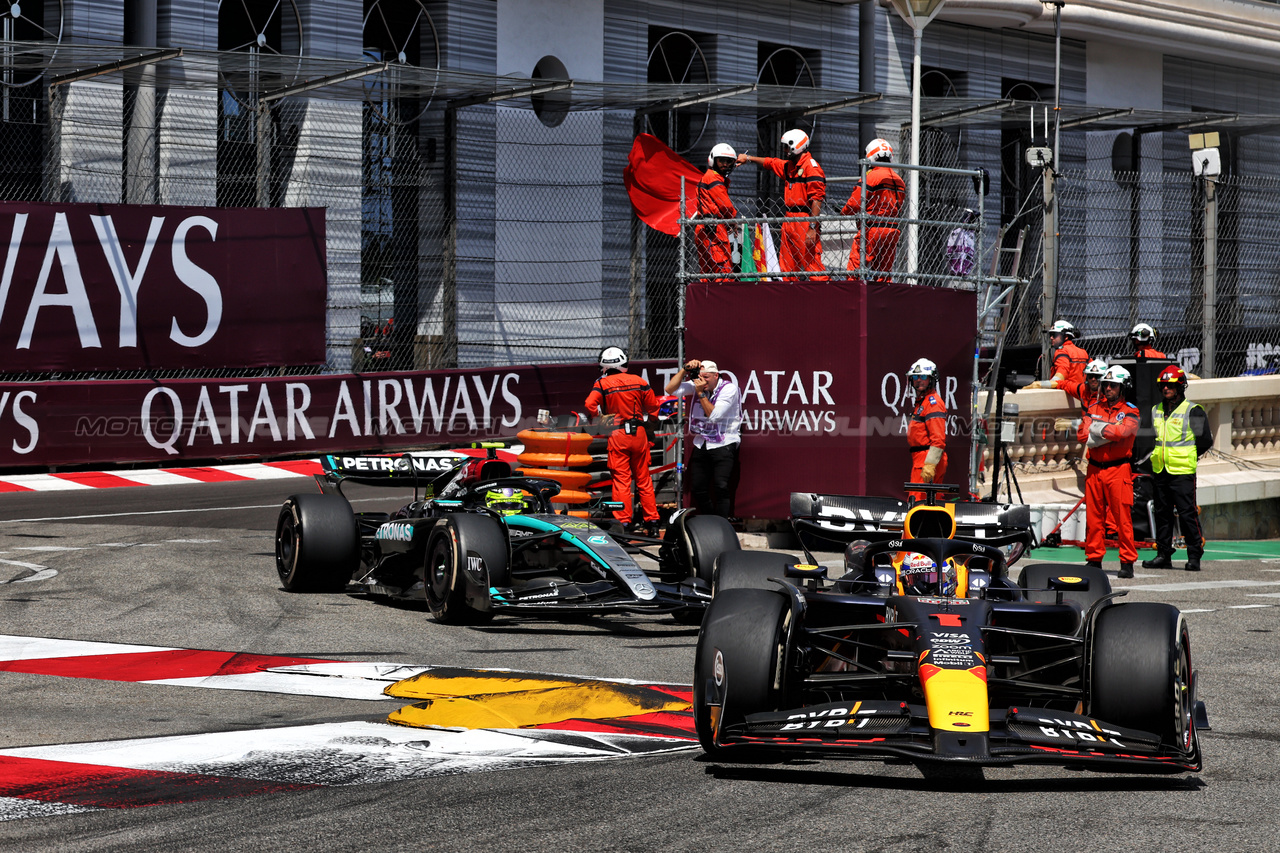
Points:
(490, 225)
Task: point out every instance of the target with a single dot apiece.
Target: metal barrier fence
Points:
(939, 246)
(1134, 250)
(464, 233)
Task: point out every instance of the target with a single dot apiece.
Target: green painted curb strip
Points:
(1242, 549)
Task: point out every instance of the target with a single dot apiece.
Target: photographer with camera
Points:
(715, 421)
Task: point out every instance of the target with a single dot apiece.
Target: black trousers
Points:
(1177, 491)
(711, 477)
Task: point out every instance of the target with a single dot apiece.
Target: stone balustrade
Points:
(1244, 414)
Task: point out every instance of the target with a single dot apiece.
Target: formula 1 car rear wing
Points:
(822, 521)
(404, 471)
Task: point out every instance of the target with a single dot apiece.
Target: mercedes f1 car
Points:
(924, 650)
(477, 540)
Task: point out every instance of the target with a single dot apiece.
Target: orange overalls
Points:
(928, 428)
(1149, 352)
(1069, 361)
(1080, 390)
(714, 251)
(1108, 486)
(804, 182)
(885, 192)
(628, 398)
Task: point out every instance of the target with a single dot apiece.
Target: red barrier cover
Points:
(821, 369)
(68, 423)
(125, 287)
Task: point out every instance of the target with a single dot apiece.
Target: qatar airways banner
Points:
(128, 287)
(821, 370)
(69, 423)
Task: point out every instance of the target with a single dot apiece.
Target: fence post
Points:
(1208, 360)
(862, 225)
(680, 357)
(262, 124)
(635, 346)
(449, 273)
(1049, 248)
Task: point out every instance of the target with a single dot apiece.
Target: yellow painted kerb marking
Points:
(431, 685)
(512, 702)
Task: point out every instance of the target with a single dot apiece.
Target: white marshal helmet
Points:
(795, 141)
(1097, 367)
(1117, 375)
(1062, 327)
(721, 150)
(613, 358)
(1143, 333)
(879, 149)
(923, 369)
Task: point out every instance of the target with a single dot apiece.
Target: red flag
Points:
(652, 178)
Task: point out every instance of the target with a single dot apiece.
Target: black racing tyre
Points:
(1036, 577)
(706, 537)
(745, 628)
(1140, 671)
(317, 543)
(449, 546)
(749, 570)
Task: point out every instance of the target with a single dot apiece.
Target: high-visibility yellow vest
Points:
(1175, 442)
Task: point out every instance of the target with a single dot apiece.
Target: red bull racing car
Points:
(925, 650)
(478, 540)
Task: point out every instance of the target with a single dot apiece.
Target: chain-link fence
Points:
(869, 235)
(470, 227)
(1134, 251)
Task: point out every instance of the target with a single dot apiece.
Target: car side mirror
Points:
(1068, 582)
(806, 571)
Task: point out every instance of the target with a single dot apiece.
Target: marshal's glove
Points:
(1065, 424)
(1032, 386)
(1095, 434)
(927, 471)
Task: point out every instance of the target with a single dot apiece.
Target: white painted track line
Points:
(38, 648)
(44, 483)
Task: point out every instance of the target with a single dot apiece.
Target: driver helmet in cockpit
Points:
(505, 501)
(920, 575)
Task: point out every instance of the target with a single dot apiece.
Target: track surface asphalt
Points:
(191, 567)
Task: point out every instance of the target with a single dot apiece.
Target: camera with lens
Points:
(691, 373)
